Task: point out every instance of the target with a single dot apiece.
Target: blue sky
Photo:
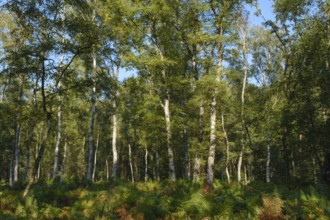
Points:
(266, 7)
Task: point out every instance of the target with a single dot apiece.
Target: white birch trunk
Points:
(169, 139)
(227, 146)
(213, 116)
(95, 157)
(146, 165)
(114, 142)
(244, 50)
(210, 160)
(63, 161)
(59, 110)
(130, 162)
(59, 133)
(91, 126)
(114, 128)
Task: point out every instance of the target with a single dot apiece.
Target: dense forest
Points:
(215, 104)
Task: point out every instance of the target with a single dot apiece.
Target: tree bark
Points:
(244, 50)
(166, 107)
(16, 150)
(95, 157)
(213, 113)
(91, 126)
(268, 158)
(197, 168)
(227, 146)
(59, 133)
(114, 142)
(63, 161)
(130, 162)
(210, 161)
(146, 165)
(36, 167)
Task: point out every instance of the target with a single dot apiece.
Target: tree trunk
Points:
(107, 168)
(63, 161)
(197, 168)
(166, 107)
(244, 50)
(11, 171)
(16, 150)
(213, 113)
(36, 167)
(59, 133)
(114, 140)
(227, 146)
(95, 157)
(146, 165)
(210, 161)
(91, 126)
(268, 158)
(130, 162)
(46, 131)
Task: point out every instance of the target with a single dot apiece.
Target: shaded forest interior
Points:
(217, 107)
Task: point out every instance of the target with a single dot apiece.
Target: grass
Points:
(165, 200)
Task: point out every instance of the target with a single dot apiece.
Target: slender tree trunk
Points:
(169, 138)
(16, 150)
(210, 161)
(91, 126)
(95, 157)
(244, 49)
(166, 107)
(146, 165)
(227, 146)
(46, 131)
(197, 168)
(107, 168)
(36, 167)
(114, 140)
(268, 158)
(17, 133)
(63, 161)
(59, 133)
(130, 162)
(11, 171)
(213, 113)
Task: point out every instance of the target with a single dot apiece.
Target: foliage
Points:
(166, 199)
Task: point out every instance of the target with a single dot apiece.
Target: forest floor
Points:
(165, 200)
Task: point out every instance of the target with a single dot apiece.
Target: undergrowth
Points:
(164, 200)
